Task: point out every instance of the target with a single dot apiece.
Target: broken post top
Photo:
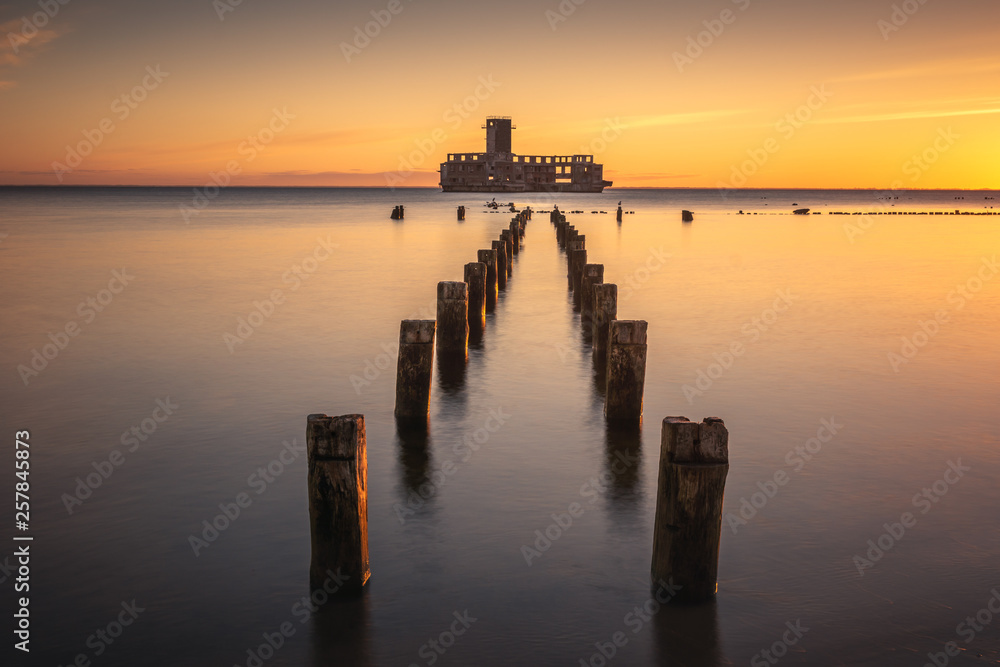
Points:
(416, 331)
(335, 438)
(453, 291)
(690, 442)
(628, 332)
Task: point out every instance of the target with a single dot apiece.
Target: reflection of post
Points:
(414, 368)
(694, 462)
(338, 499)
(688, 635)
(626, 370)
(489, 258)
(340, 632)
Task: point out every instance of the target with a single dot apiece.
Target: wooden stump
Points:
(694, 463)
(489, 258)
(452, 319)
(626, 370)
(475, 278)
(605, 312)
(338, 500)
(593, 274)
(414, 368)
(501, 252)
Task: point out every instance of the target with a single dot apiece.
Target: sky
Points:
(737, 93)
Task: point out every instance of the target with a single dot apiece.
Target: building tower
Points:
(498, 130)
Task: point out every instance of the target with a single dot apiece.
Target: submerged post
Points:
(694, 462)
(452, 319)
(605, 312)
(489, 258)
(475, 278)
(687, 216)
(626, 370)
(501, 252)
(338, 500)
(413, 369)
(461, 213)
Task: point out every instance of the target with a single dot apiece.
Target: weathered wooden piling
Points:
(489, 258)
(461, 213)
(619, 214)
(501, 251)
(694, 462)
(508, 245)
(515, 237)
(626, 370)
(338, 500)
(687, 216)
(577, 260)
(475, 278)
(593, 274)
(395, 213)
(452, 319)
(605, 312)
(413, 368)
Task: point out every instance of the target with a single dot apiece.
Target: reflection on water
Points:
(714, 349)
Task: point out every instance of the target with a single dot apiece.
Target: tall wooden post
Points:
(577, 260)
(475, 278)
(508, 246)
(414, 368)
(626, 370)
(515, 236)
(489, 258)
(501, 251)
(452, 319)
(694, 462)
(338, 500)
(593, 274)
(605, 312)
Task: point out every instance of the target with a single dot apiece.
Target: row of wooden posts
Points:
(694, 457)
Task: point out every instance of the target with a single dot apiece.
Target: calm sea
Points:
(166, 365)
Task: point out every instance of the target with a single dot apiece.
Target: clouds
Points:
(21, 39)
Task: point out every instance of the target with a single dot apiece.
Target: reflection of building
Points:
(499, 170)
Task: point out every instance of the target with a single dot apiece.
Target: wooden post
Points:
(694, 462)
(489, 258)
(515, 237)
(593, 274)
(461, 213)
(508, 245)
(501, 251)
(413, 369)
(338, 500)
(605, 312)
(577, 260)
(626, 370)
(475, 278)
(619, 214)
(687, 216)
(452, 319)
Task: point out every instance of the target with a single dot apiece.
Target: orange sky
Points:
(268, 93)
